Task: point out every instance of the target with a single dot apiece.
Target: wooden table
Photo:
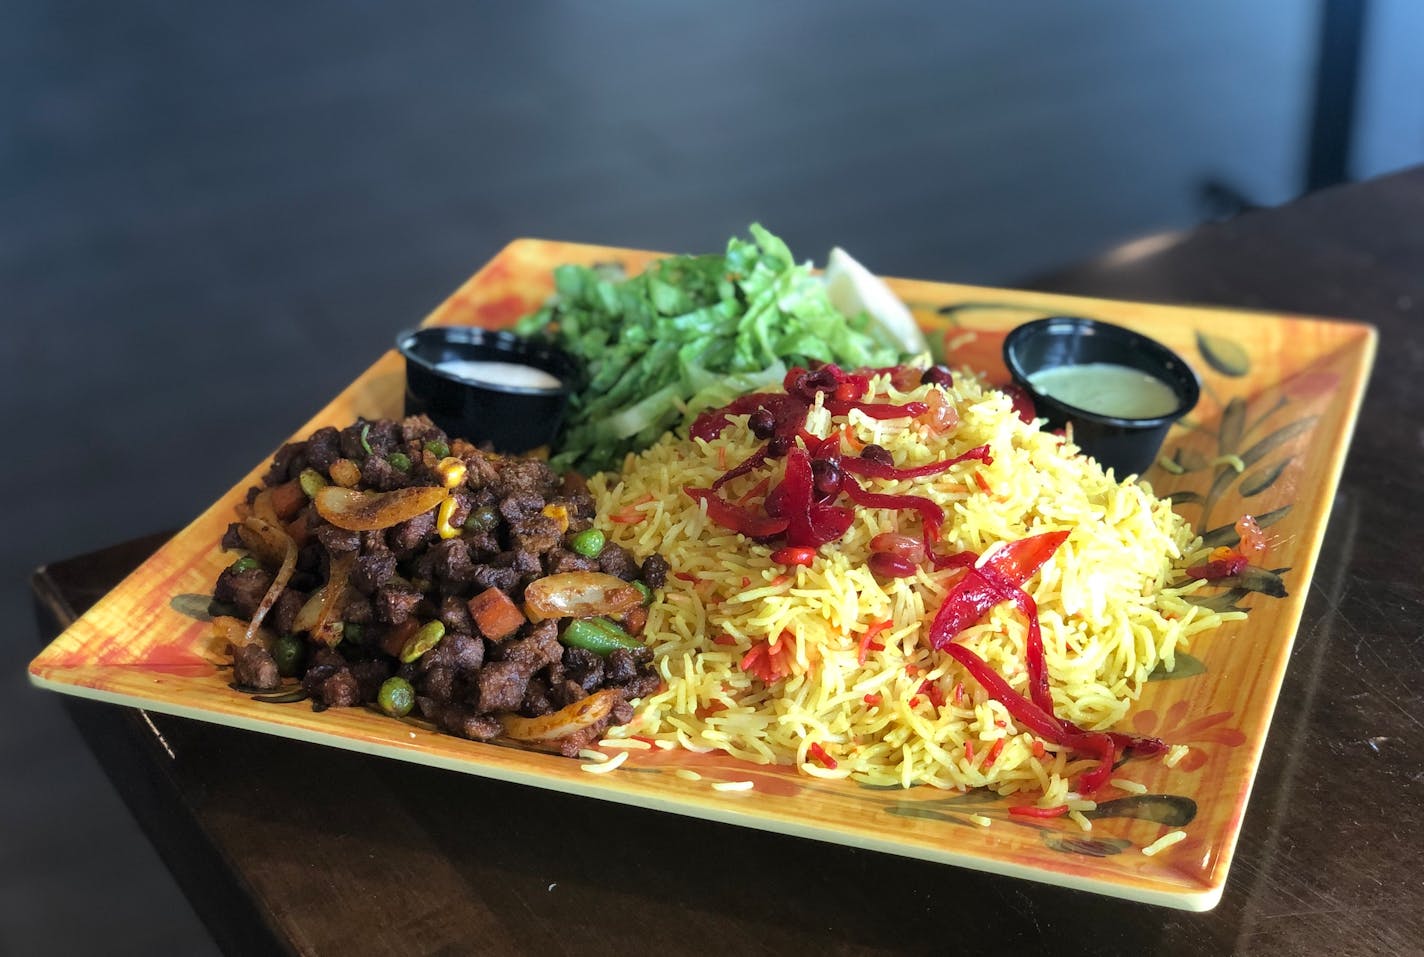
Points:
(290, 847)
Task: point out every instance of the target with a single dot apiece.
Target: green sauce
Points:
(1107, 389)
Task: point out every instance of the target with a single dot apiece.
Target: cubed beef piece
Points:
(232, 538)
(646, 683)
(369, 676)
(655, 571)
(310, 557)
(455, 615)
(534, 533)
(620, 667)
(571, 745)
(351, 444)
(483, 545)
(378, 473)
(253, 667)
(502, 685)
(565, 693)
(584, 667)
(438, 683)
(622, 712)
(537, 649)
(450, 561)
(419, 429)
(528, 564)
(286, 464)
(373, 570)
(464, 504)
(465, 723)
(323, 448)
(385, 437)
(536, 699)
(357, 609)
(341, 690)
(528, 476)
(409, 535)
(461, 653)
(504, 578)
(243, 590)
(618, 561)
(480, 472)
(560, 560)
(337, 540)
(516, 505)
(284, 612)
(394, 603)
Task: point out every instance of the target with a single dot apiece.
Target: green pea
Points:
(422, 641)
(311, 482)
(244, 564)
(598, 635)
(437, 448)
(396, 697)
(646, 592)
(399, 461)
(588, 542)
(353, 632)
(290, 653)
(482, 519)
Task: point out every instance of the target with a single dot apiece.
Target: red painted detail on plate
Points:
(501, 312)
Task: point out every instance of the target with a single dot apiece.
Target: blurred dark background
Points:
(213, 216)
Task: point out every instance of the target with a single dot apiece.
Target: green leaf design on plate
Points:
(927, 814)
(282, 697)
(1089, 846)
(1278, 438)
(1260, 420)
(1225, 601)
(1187, 666)
(1233, 425)
(954, 309)
(1172, 810)
(1226, 534)
(194, 605)
(1189, 460)
(1224, 355)
(1262, 479)
(1254, 579)
(1185, 497)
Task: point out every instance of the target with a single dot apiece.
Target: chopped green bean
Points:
(366, 437)
(396, 697)
(598, 635)
(646, 592)
(244, 564)
(311, 482)
(422, 641)
(290, 653)
(588, 542)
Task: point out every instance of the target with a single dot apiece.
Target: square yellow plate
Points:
(1280, 394)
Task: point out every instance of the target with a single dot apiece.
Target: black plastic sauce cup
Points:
(1126, 445)
(511, 417)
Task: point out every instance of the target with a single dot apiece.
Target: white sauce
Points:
(1107, 389)
(482, 372)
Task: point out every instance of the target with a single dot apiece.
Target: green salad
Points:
(692, 333)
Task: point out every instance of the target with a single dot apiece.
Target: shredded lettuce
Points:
(689, 333)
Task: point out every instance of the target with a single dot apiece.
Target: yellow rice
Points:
(1108, 616)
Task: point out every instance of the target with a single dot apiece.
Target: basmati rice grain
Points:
(615, 761)
(597, 757)
(733, 785)
(1164, 842)
(1131, 787)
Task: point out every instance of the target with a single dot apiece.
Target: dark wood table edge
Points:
(132, 753)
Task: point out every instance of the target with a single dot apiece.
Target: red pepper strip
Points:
(1028, 810)
(794, 555)
(1090, 741)
(819, 753)
(876, 410)
(1028, 715)
(742, 520)
(756, 490)
(1033, 645)
(994, 753)
(871, 469)
(807, 523)
(750, 462)
(930, 513)
(710, 424)
(1220, 568)
(974, 595)
(1022, 402)
(867, 640)
(957, 560)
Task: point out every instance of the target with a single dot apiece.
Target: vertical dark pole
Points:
(1337, 75)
